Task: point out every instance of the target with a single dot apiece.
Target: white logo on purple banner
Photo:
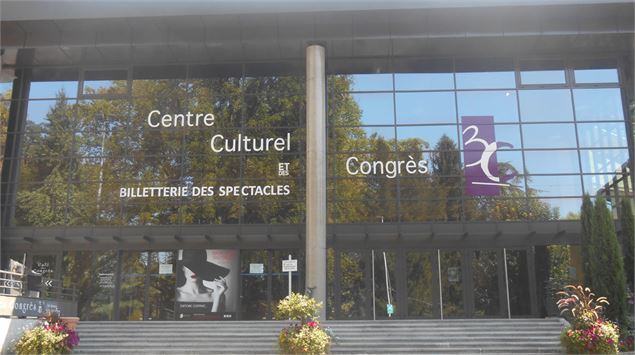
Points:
(479, 155)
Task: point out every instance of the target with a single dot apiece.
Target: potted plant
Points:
(306, 335)
(49, 336)
(589, 332)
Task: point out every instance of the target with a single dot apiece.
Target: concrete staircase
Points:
(457, 336)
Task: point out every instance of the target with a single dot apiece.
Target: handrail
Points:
(16, 284)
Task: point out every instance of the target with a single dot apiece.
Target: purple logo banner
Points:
(479, 156)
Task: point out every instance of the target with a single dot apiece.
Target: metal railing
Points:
(17, 284)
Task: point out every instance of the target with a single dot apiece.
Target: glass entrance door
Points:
(384, 269)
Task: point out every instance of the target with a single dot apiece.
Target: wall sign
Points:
(479, 154)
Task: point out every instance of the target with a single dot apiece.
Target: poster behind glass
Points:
(207, 284)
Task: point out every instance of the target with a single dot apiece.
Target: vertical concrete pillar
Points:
(316, 174)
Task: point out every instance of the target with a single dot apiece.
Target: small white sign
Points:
(289, 265)
(256, 268)
(165, 269)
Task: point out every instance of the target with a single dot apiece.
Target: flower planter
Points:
(71, 322)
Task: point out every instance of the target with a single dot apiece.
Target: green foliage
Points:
(559, 261)
(586, 218)
(607, 263)
(306, 338)
(628, 239)
(297, 307)
(580, 304)
(41, 341)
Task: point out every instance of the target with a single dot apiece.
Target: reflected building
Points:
(459, 143)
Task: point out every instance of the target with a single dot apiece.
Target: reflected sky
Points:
(377, 109)
(560, 135)
(424, 81)
(371, 82)
(37, 110)
(602, 160)
(545, 105)
(50, 89)
(565, 205)
(533, 77)
(602, 135)
(486, 80)
(558, 185)
(500, 104)
(552, 162)
(425, 107)
(598, 104)
(585, 76)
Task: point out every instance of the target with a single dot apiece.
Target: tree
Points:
(607, 263)
(586, 218)
(628, 236)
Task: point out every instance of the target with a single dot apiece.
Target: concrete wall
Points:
(10, 330)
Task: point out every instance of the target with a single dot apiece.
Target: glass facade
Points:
(559, 132)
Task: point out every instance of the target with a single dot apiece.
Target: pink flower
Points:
(312, 324)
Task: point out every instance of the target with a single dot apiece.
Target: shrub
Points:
(49, 336)
(589, 332)
(307, 336)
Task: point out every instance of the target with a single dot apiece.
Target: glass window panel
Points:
(592, 135)
(452, 283)
(429, 135)
(594, 183)
(52, 89)
(518, 282)
(376, 109)
(353, 288)
(511, 159)
(598, 105)
(44, 112)
(424, 81)
(603, 160)
(555, 185)
(371, 82)
(507, 133)
(429, 107)
(534, 77)
(551, 162)
(500, 104)
(5, 90)
(545, 105)
(561, 208)
(387, 133)
(486, 80)
(560, 135)
(485, 276)
(420, 274)
(591, 76)
(103, 82)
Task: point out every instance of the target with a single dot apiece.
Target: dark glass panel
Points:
(518, 282)
(254, 303)
(452, 283)
(353, 289)
(420, 276)
(485, 278)
(385, 283)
